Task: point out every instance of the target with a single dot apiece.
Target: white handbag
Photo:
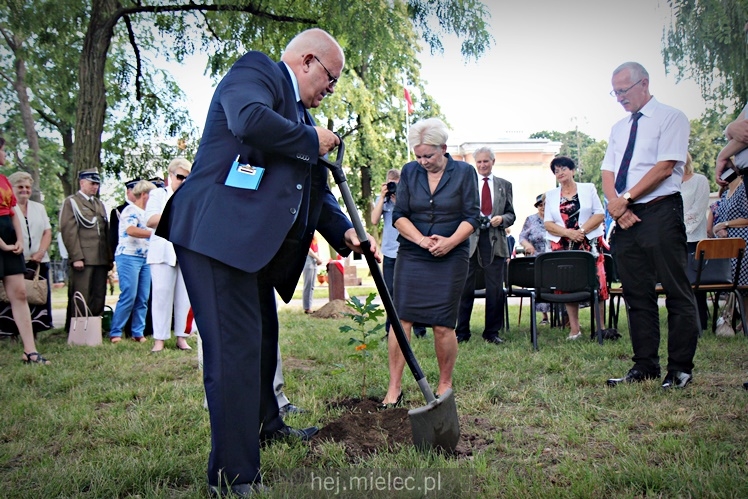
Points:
(84, 329)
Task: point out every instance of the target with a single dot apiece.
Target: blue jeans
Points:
(135, 286)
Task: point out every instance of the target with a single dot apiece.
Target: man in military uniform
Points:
(85, 234)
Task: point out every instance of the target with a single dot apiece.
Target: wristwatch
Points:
(627, 196)
(582, 229)
(727, 224)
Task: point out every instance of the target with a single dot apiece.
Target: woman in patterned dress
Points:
(731, 220)
(573, 219)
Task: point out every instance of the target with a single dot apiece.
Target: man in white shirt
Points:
(642, 172)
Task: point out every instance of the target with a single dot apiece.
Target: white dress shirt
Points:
(662, 135)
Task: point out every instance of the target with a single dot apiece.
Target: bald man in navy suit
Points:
(239, 241)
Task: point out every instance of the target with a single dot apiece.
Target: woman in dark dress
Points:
(13, 267)
(436, 210)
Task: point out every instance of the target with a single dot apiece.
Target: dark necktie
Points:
(626, 161)
(301, 111)
(485, 198)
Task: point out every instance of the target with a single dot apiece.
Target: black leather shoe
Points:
(676, 379)
(633, 376)
(238, 490)
(288, 433)
(494, 338)
(463, 338)
(420, 332)
(290, 409)
(745, 385)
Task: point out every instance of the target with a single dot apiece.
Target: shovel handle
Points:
(339, 175)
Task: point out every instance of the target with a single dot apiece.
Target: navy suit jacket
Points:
(253, 115)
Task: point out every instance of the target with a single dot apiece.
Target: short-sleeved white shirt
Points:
(662, 135)
(132, 216)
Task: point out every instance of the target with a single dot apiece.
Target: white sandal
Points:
(572, 337)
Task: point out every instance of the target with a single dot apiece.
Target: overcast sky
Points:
(549, 69)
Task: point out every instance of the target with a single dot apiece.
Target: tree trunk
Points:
(19, 85)
(68, 182)
(89, 119)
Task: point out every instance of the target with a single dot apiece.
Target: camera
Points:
(485, 222)
(391, 189)
(728, 175)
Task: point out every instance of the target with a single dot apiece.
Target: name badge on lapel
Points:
(244, 176)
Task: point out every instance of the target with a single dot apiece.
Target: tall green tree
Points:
(573, 144)
(706, 140)
(707, 42)
(119, 100)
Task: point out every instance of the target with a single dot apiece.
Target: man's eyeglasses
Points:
(181, 177)
(618, 93)
(332, 80)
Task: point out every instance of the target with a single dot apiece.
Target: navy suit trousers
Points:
(493, 274)
(236, 315)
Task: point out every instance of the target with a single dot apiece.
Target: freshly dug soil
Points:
(364, 430)
(335, 309)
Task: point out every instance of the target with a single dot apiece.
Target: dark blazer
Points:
(502, 205)
(114, 226)
(253, 115)
(454, 200)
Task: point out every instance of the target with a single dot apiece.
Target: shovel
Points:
(435, 425)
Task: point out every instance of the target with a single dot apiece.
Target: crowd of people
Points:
(175, 249)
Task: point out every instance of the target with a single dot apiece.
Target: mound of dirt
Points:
(335, 309)
(364, 430)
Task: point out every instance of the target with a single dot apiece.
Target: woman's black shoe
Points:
(397, 403)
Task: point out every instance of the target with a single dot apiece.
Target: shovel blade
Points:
(436, 425)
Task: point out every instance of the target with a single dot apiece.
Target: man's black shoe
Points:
(633, 376)
(494, 338)
(745, 385)
(288, 433)
(463, 338)
(420, 332)
(237, 490)
(676, 379)
(289, 409)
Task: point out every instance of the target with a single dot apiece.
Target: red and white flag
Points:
(409, 101)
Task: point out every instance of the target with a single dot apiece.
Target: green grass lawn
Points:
(116, 421)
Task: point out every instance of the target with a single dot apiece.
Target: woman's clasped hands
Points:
(437, 245)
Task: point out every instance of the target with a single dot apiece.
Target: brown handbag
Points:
(36, 288)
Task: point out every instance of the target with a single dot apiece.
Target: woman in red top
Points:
(13, 267)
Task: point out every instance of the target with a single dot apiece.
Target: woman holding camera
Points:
(436, 211)
(573, 219)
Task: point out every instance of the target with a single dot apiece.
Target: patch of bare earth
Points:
(363, 430)
(335, 309)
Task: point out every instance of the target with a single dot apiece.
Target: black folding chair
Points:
(570, 277)
(520, 282)
(615, 293)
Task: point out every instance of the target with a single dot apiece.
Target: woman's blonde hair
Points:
(18, 177)
(429, 132)
(179, 163)
(688, 166)
(141, 187)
